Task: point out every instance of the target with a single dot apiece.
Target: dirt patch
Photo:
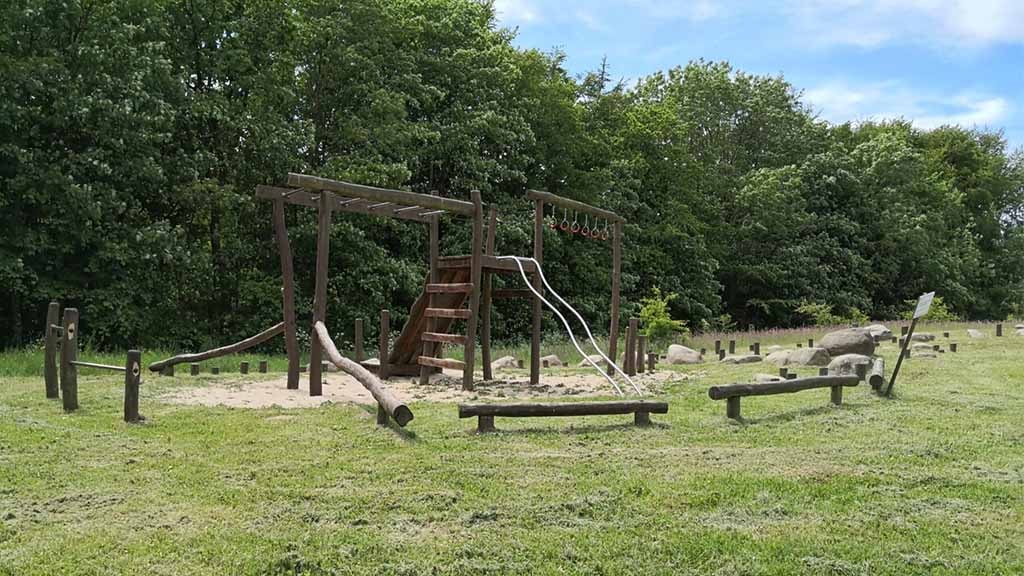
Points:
(446, 387)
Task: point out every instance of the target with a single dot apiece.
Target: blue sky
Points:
(930, 61)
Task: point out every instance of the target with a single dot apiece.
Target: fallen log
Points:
(222, 351)
(394, 407)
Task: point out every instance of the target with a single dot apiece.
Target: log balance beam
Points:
(641, 409)
(733, 392)
(222, 351)
(387, 404)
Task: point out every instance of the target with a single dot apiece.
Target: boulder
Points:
(879, 331)
(975, 333)
(779, 357)
(682, 355)
(922, 337)
(595, 358)
(551, 359)
(848, 341)
(741, 359)
(765, 378)
(1020, 332)
(504, 362)
(810, 357)
(774, 348)
(847, 364)
(1019, 327)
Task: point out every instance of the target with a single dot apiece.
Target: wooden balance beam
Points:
(641, 409)
(733, 392)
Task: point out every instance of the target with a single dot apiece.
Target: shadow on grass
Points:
(796, 414)
(404, 434)
(567, 430)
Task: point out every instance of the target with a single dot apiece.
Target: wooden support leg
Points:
(215, 370)
(383, 344)
(535, 327)
(291, 339)
(485, 424)
(51, 379)
(263, 367)
(486, 297)
(358, 339)
(642, 418)
(382, 416)
(641, 346)
(168, 371)
(323, 247)
(243, 367)
(475, 268)
(132, 379)
(837, 395)
(68, 354)
(732, 407)
(193, 369)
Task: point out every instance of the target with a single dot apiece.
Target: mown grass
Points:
(930, 482)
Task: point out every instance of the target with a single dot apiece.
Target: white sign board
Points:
(924, 303)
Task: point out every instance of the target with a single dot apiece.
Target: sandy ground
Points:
(242, 392)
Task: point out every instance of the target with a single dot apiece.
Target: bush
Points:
(822, 315)
(658, 325)
(939, 312)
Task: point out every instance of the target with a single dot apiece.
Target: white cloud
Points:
(516, 11)
(691, 10)
(958, 23)
(841, 101)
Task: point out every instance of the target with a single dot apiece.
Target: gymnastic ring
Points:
(564, 225)
(575, 227)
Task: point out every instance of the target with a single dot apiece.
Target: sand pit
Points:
(245, 392)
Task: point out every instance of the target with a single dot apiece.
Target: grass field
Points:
(930, 482)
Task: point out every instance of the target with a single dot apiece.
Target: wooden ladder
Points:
(434, 341)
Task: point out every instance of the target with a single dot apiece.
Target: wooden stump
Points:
(823, 371)
(50, 374)
(952, 347)
(810, 342)
(215, 370)
(718, 346)
(721, 355)
(837, 395)
(999, 330)
(757, 348)
(732, 407)
(132, 379)
(263, 367)
(358, 339)
(642, 418)
(485, 424)
(652, 360)
(641, 347)
(68, 354)
(784, 372)
(732, 347)
(193, 369)
(243, 367)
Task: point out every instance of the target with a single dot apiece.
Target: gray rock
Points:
(923, 351)
(975, 333)
(678, 354)
(1019, 327)
(879, 331)
(504, 362)
(1020, 332)
(847, 363)
(742, 359)
(922, 337)
(810, 357)
(773, 348)
(778, 357)
(552, 360)
(595, 358)
(848, 341)
(765, 378)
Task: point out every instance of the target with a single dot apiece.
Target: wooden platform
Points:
(490, 264)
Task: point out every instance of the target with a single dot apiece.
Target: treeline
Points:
(133, 133)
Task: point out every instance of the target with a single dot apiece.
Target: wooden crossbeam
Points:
(341, 204)
(399, 197)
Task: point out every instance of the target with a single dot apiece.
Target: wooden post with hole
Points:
(323, 246)
(291, 338)
(50, 376)
(132, 379)
(382, 344)
(68, 354)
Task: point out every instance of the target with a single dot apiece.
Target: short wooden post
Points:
(732, 347)
(382, 416)
(703, 351)
(784, 372)
(652, 361)
(216, 370)
(243, 367)
(732, 407)
(642, 418)
(630, 359)
(132, 379)
(837, 395)
(718, 346)
(193, 369)
(823, 371)
(952, 347)
(936, 347)
(999, 330)
(721, 355)
(810, 342)
(484, 424)
(51, 379)
(68, 354)
(641, 350)
(358, 338)
(519, 363)
(543, 363)
(799, 344)
(895, 340)
(904, 330)
(757, 348)
(168, 371)
(945, 334)
(263, 367)
(382, 344)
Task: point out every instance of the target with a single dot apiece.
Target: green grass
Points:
(930, 482)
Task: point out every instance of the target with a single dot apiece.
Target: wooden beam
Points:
(574, 205)
(291, 337)
(222, 351)
(381, 194)
(783, 387)
(340, 203)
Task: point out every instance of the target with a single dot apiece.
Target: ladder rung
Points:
(449, 313)
(441, 363)
(446, 338)
(446, 288)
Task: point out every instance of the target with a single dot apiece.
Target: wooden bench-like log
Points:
(486, 412)
(784, 387)
(876, 377)
(222, 351)
(394, 407)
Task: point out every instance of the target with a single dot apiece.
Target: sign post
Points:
(924, 303)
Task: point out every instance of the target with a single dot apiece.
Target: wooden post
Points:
(641, 351)
(642, 418)
(703, 351)
(652, 360)
(382, 344)
(718, 346)
(215, 370)
(823, 371)
(432, 349)
(630, 359)
(757, 348)
(999, 330)
(484, 423)
(51, 379)
(945, 334)
(877, 377)
(263, 367)
(132, 379)
(784, 372)
(485, 312)
(476, 267)
(837, 395)
(323, 247)
(243, 367)
(358, 340)
(613, 330)
(291, 338)
(810, 342)
(721, 354)
(382, 416)
(952, 346)
(732, 407)
(538, 255)
(68, 354)
(732, 347)
(193, 369)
